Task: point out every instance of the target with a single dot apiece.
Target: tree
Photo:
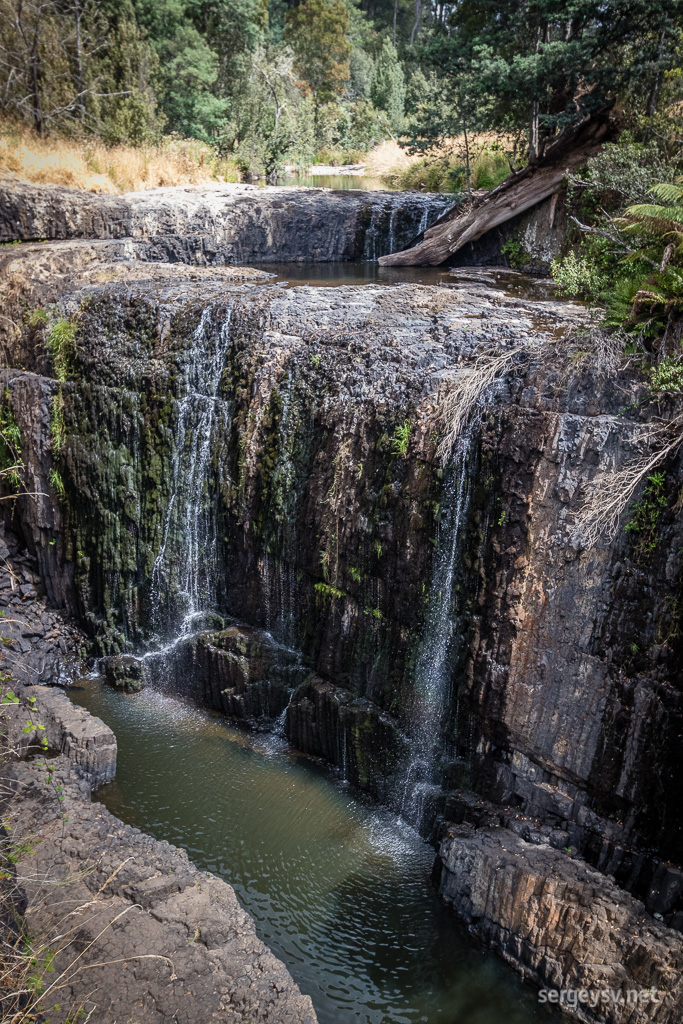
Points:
(550, 64)
(73, 64)
(317, 31)
(388, 89)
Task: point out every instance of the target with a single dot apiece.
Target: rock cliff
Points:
(435, 628)
(226, 223)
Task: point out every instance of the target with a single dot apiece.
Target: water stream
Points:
(184, 569)
(434, 662)
(339, 890)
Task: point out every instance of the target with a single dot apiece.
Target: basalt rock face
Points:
(240, 671)
(437, 630)
(226, 223)
(551, 916)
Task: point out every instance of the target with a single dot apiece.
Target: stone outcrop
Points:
(296, 430)
(238, 670)
(565, 926)
(137, 931)
(225, 223)
(151, 938)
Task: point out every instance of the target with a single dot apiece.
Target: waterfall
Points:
(434, 662)
(185, 567)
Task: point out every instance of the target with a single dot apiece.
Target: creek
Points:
(340, 890)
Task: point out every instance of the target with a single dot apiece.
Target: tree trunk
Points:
(80, 102)
(418, 20)
(653, 98)
(520, 191)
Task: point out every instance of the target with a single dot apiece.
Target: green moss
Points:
(61, 344)
(38, 318)
(11, 461)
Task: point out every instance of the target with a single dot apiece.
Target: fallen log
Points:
(519, 192)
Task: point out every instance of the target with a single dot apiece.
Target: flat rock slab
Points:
(225, 223)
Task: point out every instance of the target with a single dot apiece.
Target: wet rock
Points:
(226, 223)
(124, 672)
(238, 670)
(160, 939)
(563, 925)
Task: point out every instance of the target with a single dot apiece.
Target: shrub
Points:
(666, 378)
(577, 274)
(61, 343)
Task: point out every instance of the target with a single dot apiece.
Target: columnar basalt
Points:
(321, 514)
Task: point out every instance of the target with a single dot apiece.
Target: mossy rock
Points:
(124, 672)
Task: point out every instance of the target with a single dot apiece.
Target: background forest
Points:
(266, 82)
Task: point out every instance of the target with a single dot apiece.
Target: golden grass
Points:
(387, 157)
(90, 165)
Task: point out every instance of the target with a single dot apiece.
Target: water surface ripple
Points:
(339, 890)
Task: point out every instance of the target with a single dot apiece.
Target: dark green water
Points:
(339, 890)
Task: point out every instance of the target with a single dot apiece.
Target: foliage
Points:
(401, 439)
(11, 462)
(577, 274)
(515, 252)
(61, 344)
(56, 481)
(449, 173)
(387, 89)
(666, 378)
(317, 32)
(82, 66)
(644, 522)
(264, 83)
(57, 424)
(539, 67)
(329, 592)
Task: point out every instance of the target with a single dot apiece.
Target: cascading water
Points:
(184, 573)
(434, 663)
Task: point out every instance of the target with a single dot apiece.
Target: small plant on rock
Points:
(644, 523)
(666, 378)
(400, 440)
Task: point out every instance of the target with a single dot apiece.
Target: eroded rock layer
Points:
(226, 223)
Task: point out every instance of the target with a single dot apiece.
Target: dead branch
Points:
(600, 515)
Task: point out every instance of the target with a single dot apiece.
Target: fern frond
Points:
(668, 193)
(672, 216)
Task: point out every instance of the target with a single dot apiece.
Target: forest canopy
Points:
(269, 82)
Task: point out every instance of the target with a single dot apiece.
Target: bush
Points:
(666, 378)
(577, 274)
(449, 174)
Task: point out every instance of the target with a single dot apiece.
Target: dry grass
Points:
(388, 157)
(95, 167)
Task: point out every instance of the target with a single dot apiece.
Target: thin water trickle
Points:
(433, 669)
(185, 567)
